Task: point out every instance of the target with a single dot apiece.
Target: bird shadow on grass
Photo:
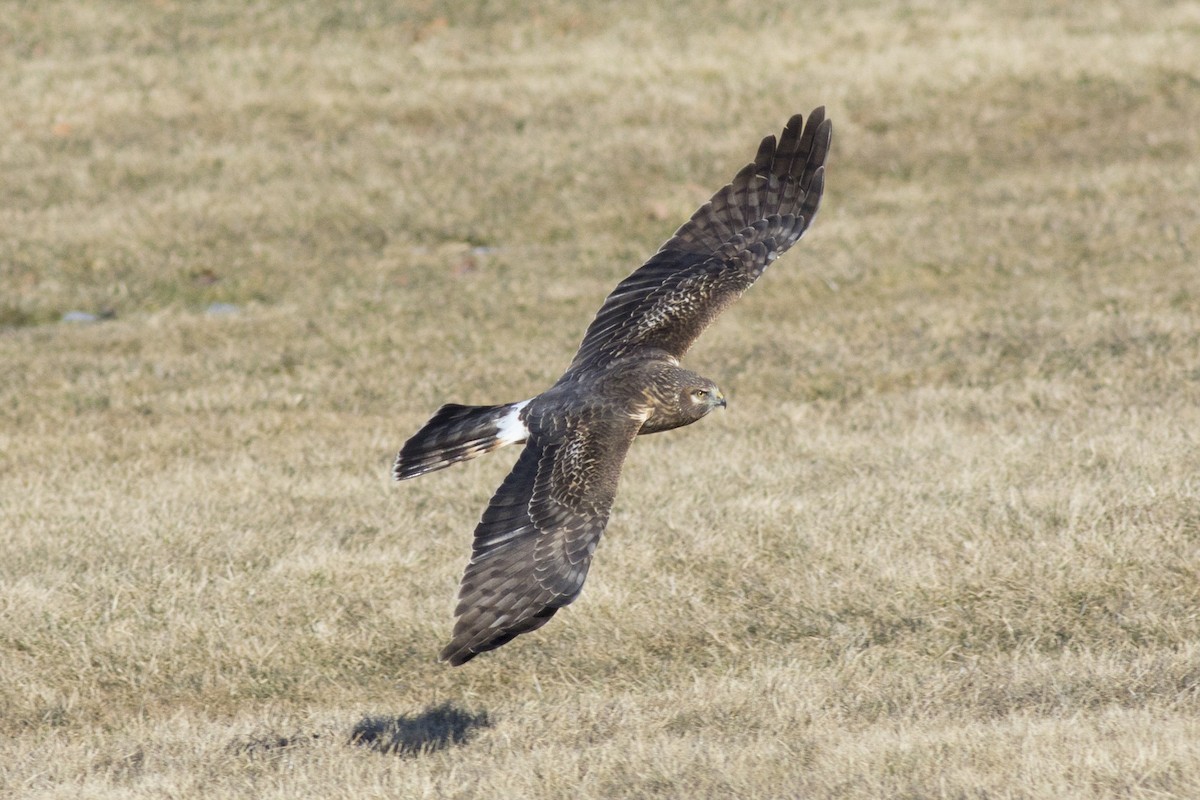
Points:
(434, 729)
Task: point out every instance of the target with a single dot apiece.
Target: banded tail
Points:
(456, 433)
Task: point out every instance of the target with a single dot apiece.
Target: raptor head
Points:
(680, 397)
(700, 397)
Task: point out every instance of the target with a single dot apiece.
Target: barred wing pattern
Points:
(534, 544)
(717, 254)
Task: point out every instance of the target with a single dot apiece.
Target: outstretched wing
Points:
(718, 253)
(534, 545)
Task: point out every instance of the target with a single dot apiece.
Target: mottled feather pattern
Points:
(719, 253)
(534, 544)
(545, 517)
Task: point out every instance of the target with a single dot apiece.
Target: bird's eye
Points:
(700, 394)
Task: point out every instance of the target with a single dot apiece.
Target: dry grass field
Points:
(945, 541)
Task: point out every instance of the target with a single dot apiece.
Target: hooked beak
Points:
(718, 399)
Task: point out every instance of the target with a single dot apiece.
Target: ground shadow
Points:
(432, 729)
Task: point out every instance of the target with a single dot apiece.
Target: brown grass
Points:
(945, 542)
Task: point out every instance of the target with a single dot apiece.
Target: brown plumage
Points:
(534, 544)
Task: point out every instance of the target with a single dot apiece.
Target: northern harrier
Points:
(534, 544)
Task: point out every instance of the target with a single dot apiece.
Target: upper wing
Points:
(718, 253)
(535, 542)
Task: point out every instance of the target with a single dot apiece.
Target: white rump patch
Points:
(510, 428)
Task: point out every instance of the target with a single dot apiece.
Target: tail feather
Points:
(456, 433)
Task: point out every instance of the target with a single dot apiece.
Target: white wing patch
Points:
(511, 429)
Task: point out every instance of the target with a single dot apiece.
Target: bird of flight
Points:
(534, 544)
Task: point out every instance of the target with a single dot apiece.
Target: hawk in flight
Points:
(534, 544)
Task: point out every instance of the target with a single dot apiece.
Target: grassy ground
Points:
(944, 543)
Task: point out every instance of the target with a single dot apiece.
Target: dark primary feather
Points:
(535, 542)
(718, 253)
